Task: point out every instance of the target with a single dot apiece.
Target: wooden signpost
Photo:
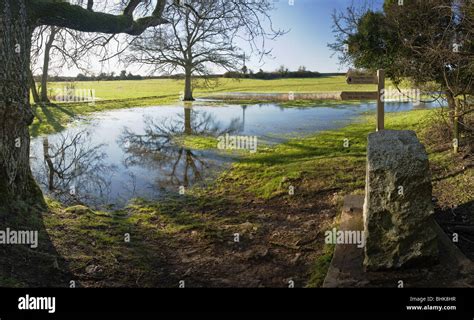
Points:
(358, 95)
(361, 79)
(379, 80)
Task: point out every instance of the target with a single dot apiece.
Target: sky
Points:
(310, 31)
(309, 23)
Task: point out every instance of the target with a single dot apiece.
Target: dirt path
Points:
(278, 242)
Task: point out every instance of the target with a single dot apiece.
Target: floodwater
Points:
(111, 157)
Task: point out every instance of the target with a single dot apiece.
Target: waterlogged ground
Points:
(115, 156)
(192, 237)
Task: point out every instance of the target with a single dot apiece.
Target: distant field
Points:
(170, 89)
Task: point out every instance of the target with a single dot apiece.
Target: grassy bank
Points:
(280, 235)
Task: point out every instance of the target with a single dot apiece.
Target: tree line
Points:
(281, 73)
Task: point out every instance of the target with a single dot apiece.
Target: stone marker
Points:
(397, 206)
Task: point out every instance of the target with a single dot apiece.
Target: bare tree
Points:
(53, 46)
(201, 35)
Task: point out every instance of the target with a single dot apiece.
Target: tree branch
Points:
(130, 8)
(65, 15)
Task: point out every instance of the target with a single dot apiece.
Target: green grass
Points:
(320, 157)
(170, 89)
(196, 142)
(320, 268)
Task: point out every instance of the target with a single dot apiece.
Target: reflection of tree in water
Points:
(73, 171)
(244, 108)
(156, 148)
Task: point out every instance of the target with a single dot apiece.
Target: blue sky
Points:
(310, 25)
(310, 30)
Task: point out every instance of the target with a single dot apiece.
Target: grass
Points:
(196, 142)
(171, 89)
(320, 157)
(320, 268)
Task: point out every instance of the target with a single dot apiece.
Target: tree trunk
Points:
(187, 121)
(456, 134)
(34, 90)
(188, 86)
(17, 186)
(49, 163)
(47, 53)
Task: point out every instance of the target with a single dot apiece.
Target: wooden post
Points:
(379, 79)
(380, 100)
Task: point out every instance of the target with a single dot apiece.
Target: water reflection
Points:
(123, 154)
(160, 148)
(73, 170)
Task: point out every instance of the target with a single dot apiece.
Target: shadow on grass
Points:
(459, 221)
(53, 117)
(347, 142)
(24, 266)
(138, 246)
(50, 118)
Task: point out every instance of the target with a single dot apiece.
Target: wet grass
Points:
(54, 117)
(196, 142)
(322, 157)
